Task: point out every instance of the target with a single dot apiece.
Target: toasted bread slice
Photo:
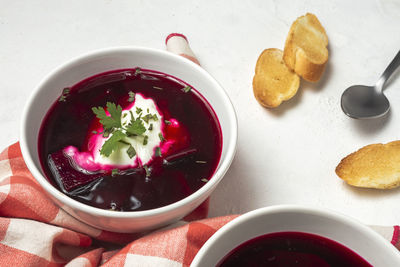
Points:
(273, 81)
(373, 166)
(306, 48)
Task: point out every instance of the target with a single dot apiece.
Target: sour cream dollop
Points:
(146, 150)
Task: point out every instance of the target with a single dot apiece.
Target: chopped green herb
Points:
(138, 110)
(158, 151)
(110, 145)
(131, 96)
(145, 140)
(136, 127)
(158, 88)
(201, 161)
(148, 110)
(131, 113)
(124, 116)
(147, 117)
(160, 135)
(167, 122)
(64, 94)
(94, 132)
(146, 169)
(204, 180)
(138, 71)
(114, 172)
(187, 89)
(151, 127)
(131, 152)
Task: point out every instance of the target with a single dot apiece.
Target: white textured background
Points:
(287, 155)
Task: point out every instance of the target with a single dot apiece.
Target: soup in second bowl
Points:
(292, 249)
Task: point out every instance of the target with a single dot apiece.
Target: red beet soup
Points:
(130, 140)
(292, 249)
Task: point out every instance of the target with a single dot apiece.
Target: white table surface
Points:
(285, 156)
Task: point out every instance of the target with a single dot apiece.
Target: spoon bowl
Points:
(364, 102)
(368, 102)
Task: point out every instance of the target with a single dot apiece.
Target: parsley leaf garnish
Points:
(115, 112)
(136, 127)
(111, 144)
(124, 142)
(109, 122)
(167, 122)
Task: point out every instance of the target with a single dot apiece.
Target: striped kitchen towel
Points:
(36, 232)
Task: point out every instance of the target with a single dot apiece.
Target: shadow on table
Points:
(235, 193)
(372, 126)
(372, 193)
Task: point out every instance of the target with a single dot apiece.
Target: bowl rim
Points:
(285, 208)
(76, 205)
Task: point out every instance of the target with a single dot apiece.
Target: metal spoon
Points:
(367, 102)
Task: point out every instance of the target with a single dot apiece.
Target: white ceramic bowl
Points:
(100, 61)
(350, 233)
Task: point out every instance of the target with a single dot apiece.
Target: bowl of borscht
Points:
(128, 139)
(292, 235)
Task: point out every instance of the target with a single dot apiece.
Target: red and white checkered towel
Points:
(36, 232)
